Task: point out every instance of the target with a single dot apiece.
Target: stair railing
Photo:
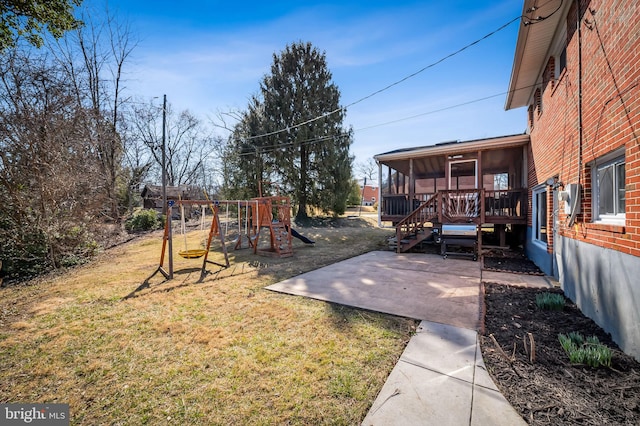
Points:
(426, 212)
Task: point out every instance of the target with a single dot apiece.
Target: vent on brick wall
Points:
(538, 100)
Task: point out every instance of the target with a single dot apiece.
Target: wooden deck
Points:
(477, 207)
(494, 207)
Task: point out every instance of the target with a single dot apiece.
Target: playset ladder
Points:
(274, 213)
(280, 239)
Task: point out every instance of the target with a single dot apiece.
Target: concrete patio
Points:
(440, 378)
(419, 286)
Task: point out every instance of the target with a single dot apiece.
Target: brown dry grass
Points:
(224, 351)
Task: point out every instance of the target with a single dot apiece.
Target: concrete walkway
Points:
(440, 378)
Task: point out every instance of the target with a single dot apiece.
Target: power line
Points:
(274, 147)
(431, 112)
(402, 80)
(446, 108)
(538, 19)
(288, 128)
(434, 63)
(271, 148)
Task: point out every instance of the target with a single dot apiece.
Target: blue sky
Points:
(209, 57)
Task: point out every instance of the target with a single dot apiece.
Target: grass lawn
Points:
(224, 351)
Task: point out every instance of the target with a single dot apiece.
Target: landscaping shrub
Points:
(24, 252)
(143, 220)
(30, 249)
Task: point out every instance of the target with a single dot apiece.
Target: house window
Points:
(539, 215)
(560, 52)
(563, 61)
(609, 191)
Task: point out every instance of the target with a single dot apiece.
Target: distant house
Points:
(152, 195)
(369, 194)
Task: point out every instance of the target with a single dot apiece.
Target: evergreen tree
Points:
(311, 159)
(244, 165)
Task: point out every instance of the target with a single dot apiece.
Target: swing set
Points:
(255, 215)
(167, 239)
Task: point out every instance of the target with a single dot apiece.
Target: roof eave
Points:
(523, 33)
(532, 50)
(476, 145)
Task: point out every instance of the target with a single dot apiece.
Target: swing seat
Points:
(192, 254)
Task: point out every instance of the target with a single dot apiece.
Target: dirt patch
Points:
(352, 221)
(551, 391)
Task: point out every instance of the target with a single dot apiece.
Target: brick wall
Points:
(610, 117)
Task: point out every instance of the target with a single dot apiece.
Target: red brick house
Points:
(369, 194)
(577, 71)
(571, 183)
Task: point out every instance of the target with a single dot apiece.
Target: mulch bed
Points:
(551, 391)
(510, 261)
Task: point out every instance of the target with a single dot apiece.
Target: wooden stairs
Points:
(417, 226)
(443, 207)
(411, 241)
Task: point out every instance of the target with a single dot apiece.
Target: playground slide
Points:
(301, 237)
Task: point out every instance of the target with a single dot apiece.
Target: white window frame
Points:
(535, 216)
(611, 160)
(560, 46)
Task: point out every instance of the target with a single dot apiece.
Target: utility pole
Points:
(164, 156)
(364, 187)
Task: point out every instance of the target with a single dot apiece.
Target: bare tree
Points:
(137, 162)
(367, 169)
(47, 168)
(73, 150)
(93, 58)
(60, 149)
(191, 149)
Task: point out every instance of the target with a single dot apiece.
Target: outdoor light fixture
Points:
(554, 182)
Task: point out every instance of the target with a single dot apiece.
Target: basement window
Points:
(609, 190)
